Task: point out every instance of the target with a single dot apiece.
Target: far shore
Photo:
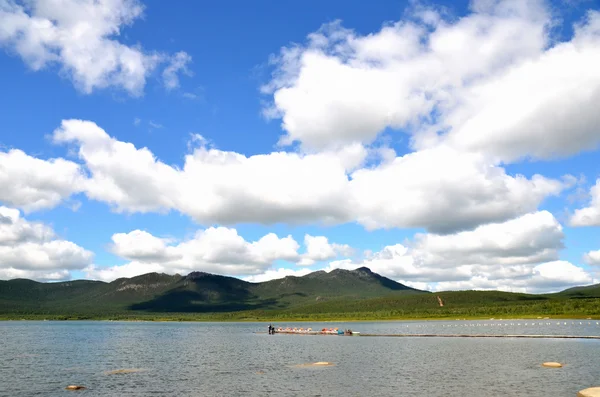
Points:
(176, 317)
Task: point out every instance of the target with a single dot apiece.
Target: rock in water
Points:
(591, 392)
(552, 365)
(75, 387)
(317, 364)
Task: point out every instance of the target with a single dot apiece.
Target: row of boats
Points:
(310, 331)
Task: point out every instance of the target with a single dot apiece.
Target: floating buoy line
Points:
(495, 324)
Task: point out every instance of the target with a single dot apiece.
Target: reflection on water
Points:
(231, 359)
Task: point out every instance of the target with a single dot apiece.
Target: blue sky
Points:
(446, 145)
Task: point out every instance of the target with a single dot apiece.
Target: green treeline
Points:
(464, 304)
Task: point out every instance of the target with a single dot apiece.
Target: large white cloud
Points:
(33, 184)
(439, 189)
(345, 87)
(217, 250)
(542, 108)
(32, 250)
(444, 190)
(492, 81)
(518, 255)
(81, 37)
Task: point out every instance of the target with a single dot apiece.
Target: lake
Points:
(231, 359)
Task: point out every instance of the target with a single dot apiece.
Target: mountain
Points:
(198, 292)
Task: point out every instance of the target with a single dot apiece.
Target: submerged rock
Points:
(75, 387)
(552, 364)
(317, 364)
(591, 392)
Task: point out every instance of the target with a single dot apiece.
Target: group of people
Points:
(271, 330)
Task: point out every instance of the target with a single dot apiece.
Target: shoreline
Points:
(183, 319)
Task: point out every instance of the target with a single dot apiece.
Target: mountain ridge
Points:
(195, 292)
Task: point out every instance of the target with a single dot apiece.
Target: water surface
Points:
(232, 359)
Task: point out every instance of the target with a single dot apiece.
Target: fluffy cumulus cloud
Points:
(81, 37)
(318, 249)
(592, 258)
(518, 255)
(33, 184)
(494, 80)
(217, 250)
(444, 190)
(439, 189)
(32, 250)
(590, 215)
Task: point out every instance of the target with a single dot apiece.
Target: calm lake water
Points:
(231, 359)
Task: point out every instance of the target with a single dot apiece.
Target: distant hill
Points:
(588, 291)
(197, 292)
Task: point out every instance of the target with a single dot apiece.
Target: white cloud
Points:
(38, 275)
(444, 190)
(492, 81)
(217, 250)
(543, 108)
(128, 270)
(213, 186)
(34, 184)
(342, 87)
(589, 216)
(273, 274)
(318, 248)
(546, 277)
(178, 63)
(439, 189)
(141, 245)
(32, 250)
(592, 258)
(518, 255)
(81, 37)
(531, 238)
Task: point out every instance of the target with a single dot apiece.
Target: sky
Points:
(443, 144)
